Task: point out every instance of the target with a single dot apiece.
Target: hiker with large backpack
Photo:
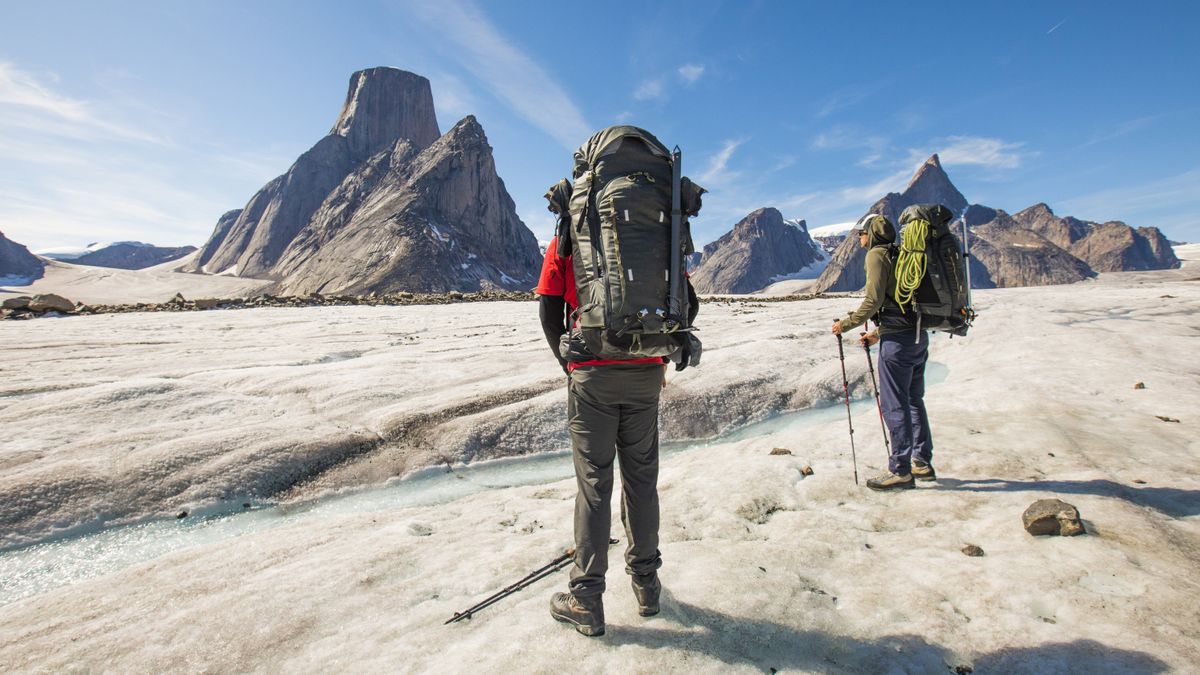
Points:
(910, 289)
(616, 306)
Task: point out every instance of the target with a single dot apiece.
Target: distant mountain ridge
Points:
(1031, 248)
(385, 203)
(128, 255)
(760, 249)
(17, 263)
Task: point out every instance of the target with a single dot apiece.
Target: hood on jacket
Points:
(880, 229)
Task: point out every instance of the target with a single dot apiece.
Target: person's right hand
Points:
(868, 339)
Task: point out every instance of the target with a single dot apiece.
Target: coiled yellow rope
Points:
(911, 264)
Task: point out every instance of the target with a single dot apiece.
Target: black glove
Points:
(685, 355)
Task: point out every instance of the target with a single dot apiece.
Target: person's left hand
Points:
(868, 339)
(837, 327)
(664, 384)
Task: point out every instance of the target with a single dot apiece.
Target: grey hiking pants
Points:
(613, 413)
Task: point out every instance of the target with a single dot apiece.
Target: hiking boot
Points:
(646, 588)
(891, 481)
(587, 614)
(923, 471)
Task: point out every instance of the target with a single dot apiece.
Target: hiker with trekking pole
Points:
(910, 289)
(616, 306)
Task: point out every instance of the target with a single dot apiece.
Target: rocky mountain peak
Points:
(1038, 210)
(760, 249)
(384, 105)
(759, 220)
(931, 185)
(383, 203)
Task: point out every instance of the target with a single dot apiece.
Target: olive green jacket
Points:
(881, 280)
(881, 276)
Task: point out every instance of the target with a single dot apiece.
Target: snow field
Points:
(754, 553)
(105, 285)
(153, 414)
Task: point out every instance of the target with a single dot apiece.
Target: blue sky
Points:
(147, 120)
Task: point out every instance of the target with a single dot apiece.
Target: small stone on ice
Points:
(972, 550)
(1140, 385)
(181, 515)
(780, 451)
(1052, 516)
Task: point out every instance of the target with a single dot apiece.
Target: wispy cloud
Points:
(691, 72)
(841, 99)
(1123, 129)
(1171, 203)
(848, 138)
(27, 104)
(718, 172)
(76, 170)
(992, 153)
(501, 66)
(1056, 26)
(648, 90)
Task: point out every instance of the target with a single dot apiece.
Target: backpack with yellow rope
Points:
(930, 269)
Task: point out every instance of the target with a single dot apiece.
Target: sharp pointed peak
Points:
(930, 170)
(931, 184)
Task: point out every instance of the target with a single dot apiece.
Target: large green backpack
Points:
(624, 222)
(930, 270)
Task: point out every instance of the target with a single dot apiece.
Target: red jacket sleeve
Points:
(554, 270)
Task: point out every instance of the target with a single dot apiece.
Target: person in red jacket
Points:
(612, 411)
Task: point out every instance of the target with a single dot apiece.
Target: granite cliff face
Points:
(1007, 254)
(1034, 247)
(760, 249)
(382, 203)
(17, 262)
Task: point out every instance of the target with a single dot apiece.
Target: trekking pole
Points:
(849, 419)
(529, 579)
(878, 406)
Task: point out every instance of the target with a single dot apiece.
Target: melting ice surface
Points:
(42, 567)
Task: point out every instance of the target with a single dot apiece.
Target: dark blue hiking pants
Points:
(901, 395)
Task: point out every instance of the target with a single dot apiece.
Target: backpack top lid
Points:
(609, 140)
(934, 214)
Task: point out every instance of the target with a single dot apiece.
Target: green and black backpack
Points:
(624, 221)
(930, 271)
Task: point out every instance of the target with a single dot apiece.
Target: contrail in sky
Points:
(1056, 26)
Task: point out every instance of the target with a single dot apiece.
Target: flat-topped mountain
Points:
(16, 262)
(760, 249)
(384, 202)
